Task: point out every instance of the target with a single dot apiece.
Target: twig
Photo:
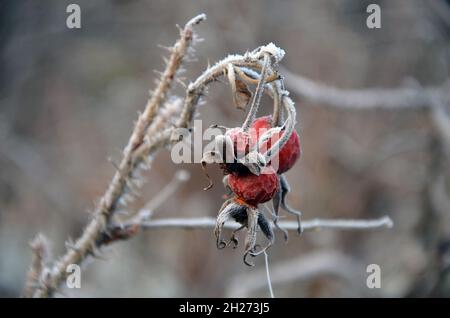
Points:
(308, 225)
(129, 228)
(257, 97)
(407, 98)
(40, 249)
(180, 177)
(269, 281)
(251, 60)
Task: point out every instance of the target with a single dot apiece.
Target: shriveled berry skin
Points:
(241, 146)
(254, 189)
(241, 141)
(288, 154)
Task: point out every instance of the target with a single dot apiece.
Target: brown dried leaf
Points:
(242, 95)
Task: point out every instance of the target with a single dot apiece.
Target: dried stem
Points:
(251, 60)
(269, 281)
(257, 98)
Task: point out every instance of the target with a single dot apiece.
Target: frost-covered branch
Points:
(307, 225)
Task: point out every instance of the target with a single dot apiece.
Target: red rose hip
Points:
(254, 189)
(288, 154)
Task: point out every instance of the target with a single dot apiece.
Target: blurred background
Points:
(68, 99)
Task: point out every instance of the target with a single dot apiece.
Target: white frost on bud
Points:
(275, 51)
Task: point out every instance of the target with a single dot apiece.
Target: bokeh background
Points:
(68, 99)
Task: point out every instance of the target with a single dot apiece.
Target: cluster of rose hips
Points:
(254, 181)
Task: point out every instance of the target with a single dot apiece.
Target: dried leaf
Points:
(239, 90)
(242, 95)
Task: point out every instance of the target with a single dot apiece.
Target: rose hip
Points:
(253, 189)
(288, 154)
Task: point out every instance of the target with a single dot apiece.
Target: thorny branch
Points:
(135, 154)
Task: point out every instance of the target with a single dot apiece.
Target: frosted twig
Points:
(40, 249)
(257, 97)
(269, 281)
(251, 60)
(308, 225)
(180, 177)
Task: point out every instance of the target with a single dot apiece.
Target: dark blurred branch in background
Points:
(412, 97)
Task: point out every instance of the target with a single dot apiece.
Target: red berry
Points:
(254, 189)
(288, 154)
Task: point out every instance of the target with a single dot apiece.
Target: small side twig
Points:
(180, 177)
(39, 247)
(129, 228)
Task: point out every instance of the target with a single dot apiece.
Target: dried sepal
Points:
(266, 228)
(233, 238)
(239, 90)
(250, 239)
(242, 95)
(285, 189)
(209, 157)
(276, 202)
(227, 211)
